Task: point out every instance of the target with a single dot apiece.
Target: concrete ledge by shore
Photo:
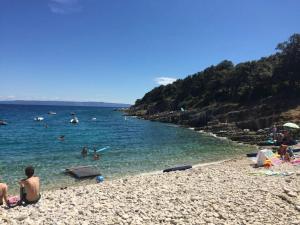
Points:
(227, 192)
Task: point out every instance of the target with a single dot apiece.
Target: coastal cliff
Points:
(236, 101)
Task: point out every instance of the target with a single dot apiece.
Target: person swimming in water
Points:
(84, 151)
(61, 137)
(96, 155)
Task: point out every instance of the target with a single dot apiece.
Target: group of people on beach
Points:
(283, 138)
(29, 190)
(84, 153)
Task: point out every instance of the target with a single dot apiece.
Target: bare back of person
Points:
(3, 193)
(29, 187)
(32, 188)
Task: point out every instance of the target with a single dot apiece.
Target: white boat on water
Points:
(38, 118)
(52, 113)
(74, 120)
(2, 122)
(94, 118)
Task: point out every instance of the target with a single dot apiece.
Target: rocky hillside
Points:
(232, 99)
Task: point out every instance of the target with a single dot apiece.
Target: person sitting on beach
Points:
(3, 193)
(289, 155)
(282, 151)
(84, 151)
(29, 187)
(288, 138)
(279, 138)
(96, 155)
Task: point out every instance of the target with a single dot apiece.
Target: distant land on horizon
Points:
(64, 103)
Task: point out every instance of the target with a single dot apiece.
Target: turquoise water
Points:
(136, 146)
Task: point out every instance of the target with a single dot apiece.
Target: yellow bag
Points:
(267, 163)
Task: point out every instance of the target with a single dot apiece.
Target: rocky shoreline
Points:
(229, 130)
(249, 123)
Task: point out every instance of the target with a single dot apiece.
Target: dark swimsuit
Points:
(23, 197)
(32, 202)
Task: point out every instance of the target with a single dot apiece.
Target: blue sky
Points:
(117, 50)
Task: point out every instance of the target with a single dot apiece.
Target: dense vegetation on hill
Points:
(244, 83)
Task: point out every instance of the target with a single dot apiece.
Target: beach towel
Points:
(271, 173)
(272, 157)
(296, 162)
(13, 201)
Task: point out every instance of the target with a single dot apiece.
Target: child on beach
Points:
(282, 151)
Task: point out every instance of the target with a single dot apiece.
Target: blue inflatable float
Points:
(99, 179)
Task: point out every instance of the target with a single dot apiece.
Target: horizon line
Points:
(72, 101)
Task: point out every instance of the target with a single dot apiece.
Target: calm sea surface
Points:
(135, 146)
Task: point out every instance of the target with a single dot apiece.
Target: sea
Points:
(132, 146)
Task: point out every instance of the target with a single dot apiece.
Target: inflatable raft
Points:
(178, 168)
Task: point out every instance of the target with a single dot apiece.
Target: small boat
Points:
(52, 113)
(38, 118)
(2, 122)
(74, 120)
(94, 118)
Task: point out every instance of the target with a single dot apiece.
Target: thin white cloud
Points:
(9, 97)
(164, 80)
(65, 1)
(64, 6)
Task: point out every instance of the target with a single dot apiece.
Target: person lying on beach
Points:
(3, 193)
(29, 187)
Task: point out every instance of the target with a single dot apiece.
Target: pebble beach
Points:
(228, 192)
